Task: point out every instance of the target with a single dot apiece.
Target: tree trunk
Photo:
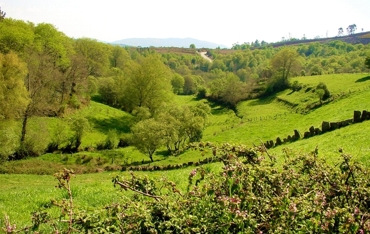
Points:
(24, 124)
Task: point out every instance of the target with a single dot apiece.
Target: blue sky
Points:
(219, 21)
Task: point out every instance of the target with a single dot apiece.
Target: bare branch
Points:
(127, 186)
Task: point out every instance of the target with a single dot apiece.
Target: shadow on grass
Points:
(121, 124)
(263, 100)
(163, 153)
(291, 93)
(363, 79)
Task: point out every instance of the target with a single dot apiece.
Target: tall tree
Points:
(285, 62)
(2, 14)
(96, 54)
(46, 58)
(351, 29)
(148, 84)
(148, 136)
(340, 32)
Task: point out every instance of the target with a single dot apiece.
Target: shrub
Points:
(296, 86)
(326, 93)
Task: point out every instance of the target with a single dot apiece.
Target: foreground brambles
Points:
(250, 195)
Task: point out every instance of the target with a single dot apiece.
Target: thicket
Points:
(251, 194)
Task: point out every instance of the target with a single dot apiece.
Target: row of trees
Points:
(351, 29)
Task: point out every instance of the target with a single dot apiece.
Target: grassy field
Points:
(22, 194)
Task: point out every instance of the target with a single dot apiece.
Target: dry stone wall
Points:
(326, 126)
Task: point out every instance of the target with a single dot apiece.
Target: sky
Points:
(217, 21)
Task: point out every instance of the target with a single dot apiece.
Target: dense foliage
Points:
(249, 195)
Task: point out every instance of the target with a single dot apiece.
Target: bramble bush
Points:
(251, 194)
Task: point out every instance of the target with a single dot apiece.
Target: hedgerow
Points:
(251, 194)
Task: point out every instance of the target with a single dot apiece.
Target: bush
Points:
(326, 93)
(296, 86)
(202, 93)
(111, 142)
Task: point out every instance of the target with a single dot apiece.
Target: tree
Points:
(192, 46)
(147, 136)
(97, 56)
(228, 89)
(367, 62)
(13, 101)
(340, 32)
(148, 84)
(177, 82)
(46, 58)
(351, 29)
(183, 124)
(2, 14)
(284, 63)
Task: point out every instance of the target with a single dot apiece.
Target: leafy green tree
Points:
(284, 63)
(192, 46)
(192, 83)
(97, 56)
(177, 82)
(147, 136)
(46, 58)
(148, 84)
(108, 91)
(183, 124)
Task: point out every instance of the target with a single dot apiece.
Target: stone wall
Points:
(326, 126)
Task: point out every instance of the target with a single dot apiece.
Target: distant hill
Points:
(168, 42)
(363, 38)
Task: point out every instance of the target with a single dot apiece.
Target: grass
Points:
(22, 194)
